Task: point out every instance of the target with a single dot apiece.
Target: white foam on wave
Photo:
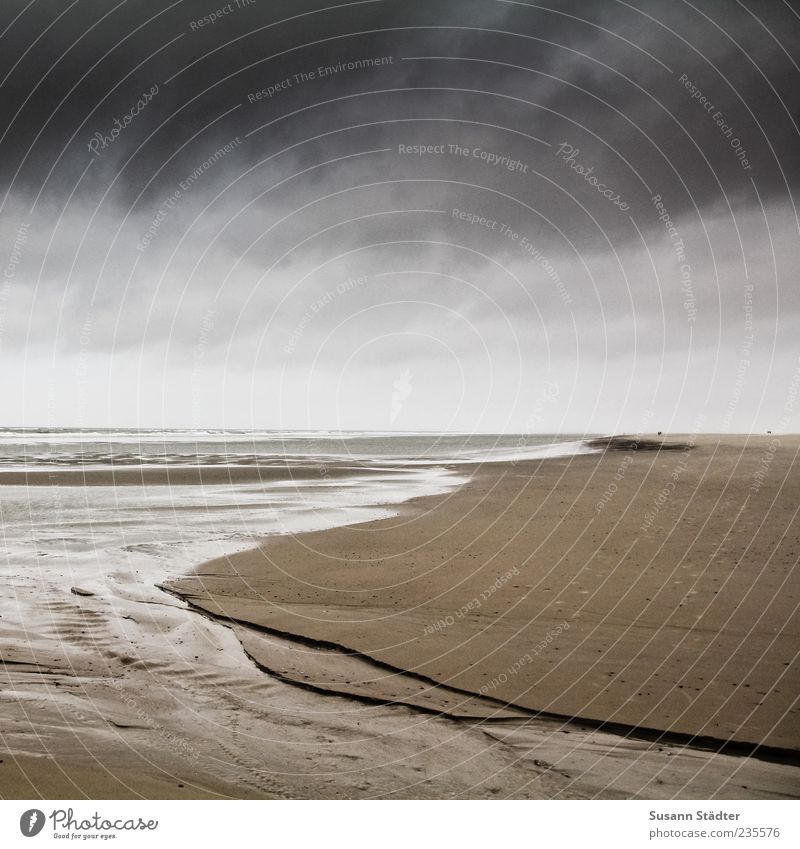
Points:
(527, 452)
(34, 436)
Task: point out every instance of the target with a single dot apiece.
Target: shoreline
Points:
(136, 471)
(499, 711)
(289, 607)
(393, 721)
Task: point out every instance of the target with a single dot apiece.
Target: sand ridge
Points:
(87, 710)
(681, 618)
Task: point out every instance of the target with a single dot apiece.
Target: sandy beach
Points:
(550, 585)
(617, 624)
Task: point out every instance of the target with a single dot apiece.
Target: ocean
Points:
(115, 544)
(29, 448)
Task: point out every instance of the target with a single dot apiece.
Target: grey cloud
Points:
(261, 234)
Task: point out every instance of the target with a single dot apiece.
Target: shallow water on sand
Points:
(94, 640)
(119, 541)
(123, 679)
(90, 643)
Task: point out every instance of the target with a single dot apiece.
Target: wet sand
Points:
(182, 475)
(409, 657)
(557, 586)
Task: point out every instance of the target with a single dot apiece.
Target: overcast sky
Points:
(220, 215)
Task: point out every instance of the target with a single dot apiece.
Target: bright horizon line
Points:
(50, 428)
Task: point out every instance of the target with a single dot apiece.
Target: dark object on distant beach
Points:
(633, 443)
(659, 433)
(79, 591)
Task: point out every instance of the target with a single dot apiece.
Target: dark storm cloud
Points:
(84, 65)
(586, 68)
(244, 190)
